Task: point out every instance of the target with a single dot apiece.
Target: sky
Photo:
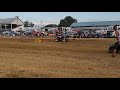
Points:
(55, 17)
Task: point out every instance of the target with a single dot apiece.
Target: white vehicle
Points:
(111, 33)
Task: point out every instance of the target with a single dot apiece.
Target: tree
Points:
(67, 21)
(31, 24)
(63, 23)
(28, 24)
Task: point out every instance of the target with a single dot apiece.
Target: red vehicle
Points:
(35, 33)
(76, 30)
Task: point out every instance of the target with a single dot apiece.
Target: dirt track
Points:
(79, 58)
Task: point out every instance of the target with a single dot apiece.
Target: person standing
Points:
(117, 33)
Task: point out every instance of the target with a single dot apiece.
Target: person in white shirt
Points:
(117, 33)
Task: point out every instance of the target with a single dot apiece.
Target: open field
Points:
(80, 58)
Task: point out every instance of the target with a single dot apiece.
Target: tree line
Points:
(66, 22)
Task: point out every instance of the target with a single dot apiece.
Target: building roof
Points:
(7, 20)
(97, 23)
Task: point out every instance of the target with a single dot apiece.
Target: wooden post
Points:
(11, 27)
(5, 26)
(0, 27)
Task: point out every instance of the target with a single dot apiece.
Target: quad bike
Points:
(61, 39)
(111, 47)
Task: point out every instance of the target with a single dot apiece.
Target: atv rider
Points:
(59, 37)
(117, 33)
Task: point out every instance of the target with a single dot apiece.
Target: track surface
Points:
(80, 58)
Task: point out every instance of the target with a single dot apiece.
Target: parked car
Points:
(7, 33)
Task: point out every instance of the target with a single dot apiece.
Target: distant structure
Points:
(11, 24)
(99, 25)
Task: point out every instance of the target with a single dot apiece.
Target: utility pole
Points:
(41, 24)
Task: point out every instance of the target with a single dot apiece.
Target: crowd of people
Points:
(92, 35)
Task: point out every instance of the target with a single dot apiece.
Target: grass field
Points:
(80, 58)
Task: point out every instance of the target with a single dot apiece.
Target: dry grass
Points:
(82, 58)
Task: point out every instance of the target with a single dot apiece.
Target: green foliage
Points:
(28, 24)
(67, 21)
